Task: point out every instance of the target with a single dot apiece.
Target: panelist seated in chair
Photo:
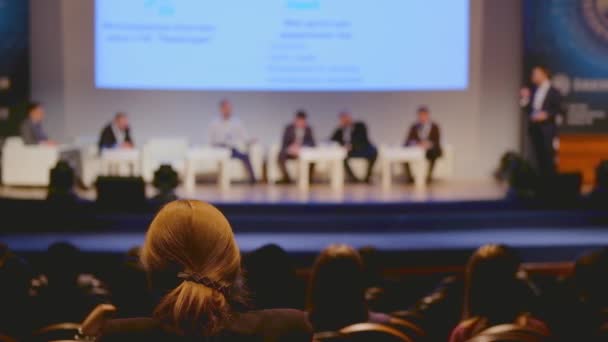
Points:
(426, 134)
(296, 135)
(31, 130)
(228, 131)
(353, 136)
(116, 134)
(33, 133)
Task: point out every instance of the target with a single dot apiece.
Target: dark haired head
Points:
(301, 114)
(33, 106)
(492, 289)
(544, 69)
(423, 109)
(591, 277)
(337, 292)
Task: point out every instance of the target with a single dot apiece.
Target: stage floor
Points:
(442, 191)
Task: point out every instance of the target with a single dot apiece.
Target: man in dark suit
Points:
(296, 135)
(542, 106)
(353, 136)
(426, 134)
(117, 134)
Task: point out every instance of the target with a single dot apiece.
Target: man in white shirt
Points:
(228, 131)
(542, 105)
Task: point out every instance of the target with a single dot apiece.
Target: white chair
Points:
(236, 169)
(444, 167)
(27, 165)
(156, 152)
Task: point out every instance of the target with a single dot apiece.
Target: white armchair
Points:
(27, 165)
(156, 152)
(236, 168)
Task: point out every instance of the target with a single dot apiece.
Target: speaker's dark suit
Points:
(542, 134)
(432, 153)
(289, 138)
(360, 145)
(108, 138)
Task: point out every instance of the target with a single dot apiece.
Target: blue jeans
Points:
(244, 157)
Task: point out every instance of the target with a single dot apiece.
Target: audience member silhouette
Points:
(336, 296)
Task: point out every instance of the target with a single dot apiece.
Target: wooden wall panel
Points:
(582, 153)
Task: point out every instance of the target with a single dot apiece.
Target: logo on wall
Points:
(562, 83)
(596, 16)
(161, 7)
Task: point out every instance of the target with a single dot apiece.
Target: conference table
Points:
(197, 155)
(113, 161)
(415, 156)
(332, 155)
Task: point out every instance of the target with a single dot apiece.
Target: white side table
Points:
(415, 156)
(112, 161)
(218, 155)
(333, 155)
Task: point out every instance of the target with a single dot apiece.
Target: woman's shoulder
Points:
(281, 321)
(265, 325)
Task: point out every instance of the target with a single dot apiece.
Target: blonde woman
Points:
(194, 266)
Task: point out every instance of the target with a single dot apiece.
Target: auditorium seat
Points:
(27, 165)
(6, 338)
(363, 332)
(510, 333)
(408, 328)
(56, 332)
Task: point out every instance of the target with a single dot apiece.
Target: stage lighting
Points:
(61, 186)
(165, 181)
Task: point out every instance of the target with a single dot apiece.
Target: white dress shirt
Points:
(119, 134)
(424, 131)
(228, 132)
(540, 95)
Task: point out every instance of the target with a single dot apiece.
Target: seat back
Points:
(56, 332)
(6, 338)
(363, 332)
(510, 333)
(408, 328)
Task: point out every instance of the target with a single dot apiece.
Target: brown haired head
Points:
(492, 289)
(191, 256)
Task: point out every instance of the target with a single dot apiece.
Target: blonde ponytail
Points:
(193, 309)
(196, 240)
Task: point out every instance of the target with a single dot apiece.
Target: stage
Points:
(441, 224)
(443, 191)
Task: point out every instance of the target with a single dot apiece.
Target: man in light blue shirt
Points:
(228, 131)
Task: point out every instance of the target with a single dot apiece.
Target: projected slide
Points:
(282, 45)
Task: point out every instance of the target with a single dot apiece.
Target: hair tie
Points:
(203, 281)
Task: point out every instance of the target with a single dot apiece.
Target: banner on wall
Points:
(14, 63)
(570, 37)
